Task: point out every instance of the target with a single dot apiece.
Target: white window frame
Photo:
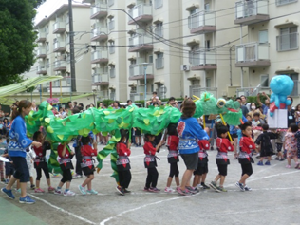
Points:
(285, 2)
(158, 4)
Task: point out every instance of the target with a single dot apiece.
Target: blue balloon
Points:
(282, 86)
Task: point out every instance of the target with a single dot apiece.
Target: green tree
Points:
(16, 39)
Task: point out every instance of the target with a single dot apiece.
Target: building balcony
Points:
(41, 52)
(100, 76)
(137, 72)
(41, 69)
(203, 60)
(60, 65)
(202, 22)
(98, 11)
(253, 91)
(99, 56)
(141, 14)
(59, 27)
(103, 94)
(41, 37)
(99, 34)
(197, 90)
(253, 11)
(139, 96)
(140, 43)
(59, 46)
(63, 89)
(252, 55)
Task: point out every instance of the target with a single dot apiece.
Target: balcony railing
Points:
(284, 2)
(41, 52)
(197, 90)
(59, 27)
(110, 3)
(98, 11)
(141, 13)
(99, 34)
(140, 42)
(203, 60)
(247, 12)
(60, 65)
(99, 56)
(252, 91)
(253, 54)
(42, 36)
(59, 45)
(111, 25)
(139, 96)
(202, 21)
(100, 78)
(137, 72)
(41, 69)
(287, 42)
(103, 94)
(159, 63)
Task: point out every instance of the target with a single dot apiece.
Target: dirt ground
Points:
(274, 199)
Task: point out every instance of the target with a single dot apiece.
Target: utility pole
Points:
(72, 54)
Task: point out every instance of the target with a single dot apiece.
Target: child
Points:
(138, 138)
(246, 145)
(291, 145)
(87, 165)
(30, 157)
(9, 168)
(256, 119)
(222, 161)
(150, 163)
(40, 162)
(279, 143)
(264, 140)
(123, 163)
(297, 136)
(172, 144)
(202, 167)
(3, 147)
(64, 158)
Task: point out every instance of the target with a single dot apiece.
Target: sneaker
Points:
(183, 193)
(154, 190)
(8, 193)
(268, 163)
(146, 189)
(213, 185)
(58, 192)
(204, 186)
(18, 191)
(260, 163)
(277, 158)
(120, 190)
(247, 188)
(81, 189)
(69, 193)
(169, 190)
(55, 175)
(212, 148)
(32, 187)
(192, 190)
(76, 176)
(257, 157)
(297, 166)
(288, 166)
(51, 189)
(26, 200)
(281, 159)
(221, 189)
(91, 192)
(126, 191)
(39, 190)
(240, 186)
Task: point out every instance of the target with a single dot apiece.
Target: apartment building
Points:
(53, 50)
(272, 45)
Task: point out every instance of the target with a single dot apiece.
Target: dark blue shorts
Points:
(9, 169)
(21, 169)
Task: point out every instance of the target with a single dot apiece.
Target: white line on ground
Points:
(135, 209)
(62, 210)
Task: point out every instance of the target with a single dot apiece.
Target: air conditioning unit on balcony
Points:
(185, 68)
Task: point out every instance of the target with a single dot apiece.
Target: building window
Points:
(111, 24)
(112, 72)
(160, 61)
(284, 2)
(159, 30)
(263, 36)
(110, 3)
(111, 47)
(264, 80)
(158, 4)
(288, 39)
(150, 59)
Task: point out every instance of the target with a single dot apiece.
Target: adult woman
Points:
(189, 132)
(18, 143)
(254, 109)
